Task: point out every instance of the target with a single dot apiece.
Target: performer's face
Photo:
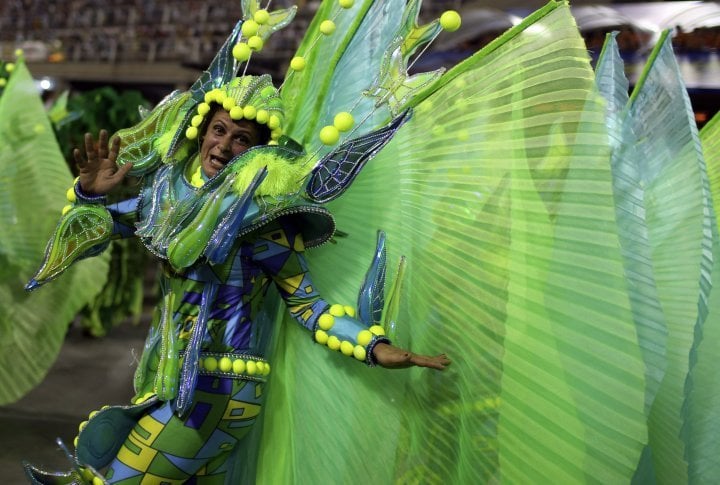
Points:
(224, 139)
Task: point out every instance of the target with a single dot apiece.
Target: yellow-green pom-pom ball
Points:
(260, 367)
(66, 209)
(249, 28)
(261, 17)
(326, 321)
(377, 330)
(97, 481)
(251, 368)
(18, 52)
(236, 113)
(238, 366)
(203, 109)
(327, 27)
(343, 121)
(273, 122)
(346, 348)
(350, 311)
(346, 3)
(82, 425)
(3, 81)
(321, 337)
(191, 133)
(266, 371)
(211, 364)
(197, 120)
(337, 310)
(75, 441)
(329, 135)
(450, 21)
(70, 194)
(255, 43)
(241, 52)
(297, 63)
(225, 364)
(249, 112)
(228, 103)
(263, 116)
(364, 337)
(333, 343)
(359, 352)
(209, 96)
(9, 67)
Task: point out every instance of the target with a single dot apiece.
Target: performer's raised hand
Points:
(98, 172)
(393, 357)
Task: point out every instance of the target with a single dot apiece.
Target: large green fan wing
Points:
(32, 193)
(499, 193)
(677, 212)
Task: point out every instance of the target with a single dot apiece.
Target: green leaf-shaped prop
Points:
(33, 184)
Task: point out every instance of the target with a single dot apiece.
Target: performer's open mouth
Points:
(217, 163)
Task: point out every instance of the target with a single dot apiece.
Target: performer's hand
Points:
(99, 174)
(393, 357)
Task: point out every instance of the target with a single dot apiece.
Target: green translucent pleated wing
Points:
(32, 193)
(499, 192)
(702, 425)
(677, 211)
(630, 197)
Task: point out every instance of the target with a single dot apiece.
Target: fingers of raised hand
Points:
(114, 148)
(90, 149)
(103, 144)
(79, 160)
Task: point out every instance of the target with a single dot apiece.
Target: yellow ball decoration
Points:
(70, 195)
(197, 120)
(236, 113)
(346, 348)
(321, 337)
(350, 311)
(359, 352)
(377, 330)
(251, 368)
(261, 17)
(241, 52)
(82, 425)
(333, 343)
(249, 112)
(450, 21)
(238, 366)
(337, 310)
(297, 63)
(97, 481)
(346, 3)
(225, 364)
(92, 414)
(210, 95)
(211, 364)
(263, 116)
(255, 43)
(260, 367)
(228, 103)
(249, 28)
(191, 133)
(18, 52)
(267, 369)
(3, 81)
(343, 121)
(66, 209)
(274, 122)
(75, 441)
(364, 337)
(9, 67)
(329, 135)
(203, 109)
(326, 321)
(327, 27)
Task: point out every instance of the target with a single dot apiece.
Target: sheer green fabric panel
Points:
(32, 194)
(499, 193)
(678, 224)
(630, 210)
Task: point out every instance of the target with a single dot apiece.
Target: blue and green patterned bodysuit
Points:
(200, 380)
